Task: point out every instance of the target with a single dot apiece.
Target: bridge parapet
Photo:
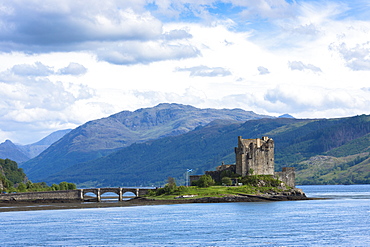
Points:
(44, 195)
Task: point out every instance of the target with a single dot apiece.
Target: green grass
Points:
(214, 191)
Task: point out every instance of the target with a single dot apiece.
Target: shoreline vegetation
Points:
(254, 188)
(9, 206)
(169, 194)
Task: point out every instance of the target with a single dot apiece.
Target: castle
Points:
(254, 157)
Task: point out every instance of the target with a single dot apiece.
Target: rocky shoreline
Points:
(7, 206)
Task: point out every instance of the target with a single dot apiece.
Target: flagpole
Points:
(187, 176)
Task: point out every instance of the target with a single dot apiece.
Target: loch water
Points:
(342, 220)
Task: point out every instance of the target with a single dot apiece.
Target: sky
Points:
(66, 62)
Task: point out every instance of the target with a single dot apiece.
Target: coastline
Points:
(11, 206)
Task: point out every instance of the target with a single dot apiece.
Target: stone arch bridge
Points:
(119, 191)
(79, 194)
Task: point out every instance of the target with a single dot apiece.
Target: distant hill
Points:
(101, 137)
(286, 116)
(22, 153)
(8, 150)
(306, 144)
(34, 149)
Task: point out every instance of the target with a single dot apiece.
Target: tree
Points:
(55, 187)
(171, 182)
(72, 186)
(21, 187)
(226, 181)
(205, 181)
(29, 185)
(63, 186)
(66, 186)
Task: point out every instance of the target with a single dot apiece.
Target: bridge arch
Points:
(119, 191)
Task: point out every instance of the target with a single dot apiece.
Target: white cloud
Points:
(266, 9)
(356, 58)
(133, 52)
(40, 93)
(298, 65)
(58, 23)
(73, 69)
(303, 101)
(29, 101)
(67, 62)
(177, 34)
(24, 72)
(263, 71)
(117, 32)
(296, 100)
(206, 71)
(38, 69)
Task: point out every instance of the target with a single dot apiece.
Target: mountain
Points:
(101, 137)
(32, 150)
(22, 153)
(297, 143)
(285, 116)
(8, 150)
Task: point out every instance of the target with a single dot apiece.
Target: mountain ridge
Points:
(23, 153)
(98, 138)
(297, 141)
(8, 150)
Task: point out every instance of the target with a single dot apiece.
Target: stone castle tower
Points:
(255, 156)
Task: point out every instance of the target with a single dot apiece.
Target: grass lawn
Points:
(212, 191)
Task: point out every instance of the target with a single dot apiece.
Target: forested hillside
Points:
(100, 137)
(297, 141)
(10, 174)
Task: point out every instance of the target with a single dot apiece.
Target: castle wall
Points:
(255, 154)
(216, 175)
(287, 175)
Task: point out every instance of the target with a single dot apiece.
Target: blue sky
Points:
(66, 62)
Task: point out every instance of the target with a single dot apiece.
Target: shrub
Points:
(67, 186)
(21, 187)
(261, 181)
(205, 181)
(226, 181)
(55, 187)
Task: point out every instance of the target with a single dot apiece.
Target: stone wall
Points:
(45, 195)
(255, 156)
(287, 175)
(216, 175)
